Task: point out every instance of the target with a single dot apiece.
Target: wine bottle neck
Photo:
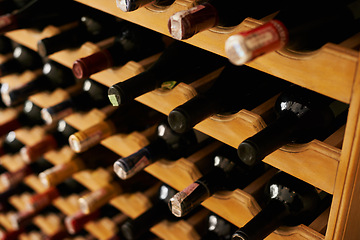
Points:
(269, 139)
(194, 194)
(264, 223)
(128, 166)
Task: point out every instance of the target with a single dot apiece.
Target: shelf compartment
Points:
(234, 130)
(322, 65)
(237, 206)
(332, 67)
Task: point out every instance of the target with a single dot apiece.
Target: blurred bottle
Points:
(217, 13)
(218, 228)
(38, 202)
(302, 115)
(289, 201)
(180, 62)
(28, 117)
(75, 223)
(93, 26)
(126, 119)
(133, 43)
(54, 75)
(168, 144)
(38, 14)
(12, 179)
(23, 59)
(223, 97)
(92, 201)
(10, 145)
(54, 139)
(297, 27)
(96, 157)
(225, 175)
(92, 95)
(135, 228)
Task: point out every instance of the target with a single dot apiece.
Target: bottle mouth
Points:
(5, 90)
(25, 154)
(237, 51)
(120, 170)
(237, 236)
(176, 25)
(178, 121)
(176, 206)
(47, 116)
(80, 70)
(45, 179)
(248, 153)
(75, 143)
(84, 205)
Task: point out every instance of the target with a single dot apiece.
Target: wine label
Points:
(245, 46)
(59, 173)
(94, 200)
(129, 166)
(266, 38)
(88, 138)
(168, 85)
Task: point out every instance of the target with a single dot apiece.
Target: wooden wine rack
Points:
(331, 165)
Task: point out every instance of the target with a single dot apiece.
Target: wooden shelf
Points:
(331, 165)
(330, 70)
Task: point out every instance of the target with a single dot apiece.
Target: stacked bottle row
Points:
(104, 187)
(161, 132)
(117, 96)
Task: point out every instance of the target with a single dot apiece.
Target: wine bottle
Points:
(289, 201)
(38, 14)
(6, 45)
(94, 200)
(219, 228)
(12, 179)
(75, 223)
(132, 5)
(128, 118)
(133, 229)
(180, 62)
(28, 117)
(225, 175)
(303, 115)
(40, 201)
(168, 144)
(296, 28)
(92, 95)
(216, 13)
(23, 59)
(132, 43)
(98, 156)
(93, 26)
(52, 140)
(54, 75)
(222, 97)
(10, 145)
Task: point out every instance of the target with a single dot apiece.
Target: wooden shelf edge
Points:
(322, 64)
